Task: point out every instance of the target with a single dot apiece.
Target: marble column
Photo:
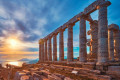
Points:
(83, 41)
(49, 49)
(61, 46)
(119, 47)
(70, 43)
(94, 39)
(39, 51)
(46, 55)
(102, 35)
(110, 45)
(116, 44)
(42, 50)
(55, 47)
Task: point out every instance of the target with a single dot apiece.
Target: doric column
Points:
(55, 47)
(49, 49)
(39, 50)
(82, 40)
(113, 40)
(119, 47)
(102, 34)
(116, 44)
(110, 45)
(70, 43)
(61, 46)
(46, 55)
(94, 39)
(42, 50)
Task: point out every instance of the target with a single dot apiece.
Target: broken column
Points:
(46, 55)
(49, 49)
(61, 45)
(102, 33)
(70, 43)
(55, 47)
(82, 40)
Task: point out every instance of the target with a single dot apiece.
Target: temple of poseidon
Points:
(104, 43)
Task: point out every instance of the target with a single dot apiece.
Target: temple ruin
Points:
(104, 43)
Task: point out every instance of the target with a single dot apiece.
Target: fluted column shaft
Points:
(119, 47)
(116, 44)
(46, 56)
(70, 43)
(49, 50)
(94, 39)
(102, 35)
(42, 51)
(39, 51)
(61, 46)
(55, 47)
(111, 45)
(82, 40)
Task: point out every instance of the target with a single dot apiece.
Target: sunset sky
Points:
(24, 22)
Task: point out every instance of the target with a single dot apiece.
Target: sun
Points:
(13, 42)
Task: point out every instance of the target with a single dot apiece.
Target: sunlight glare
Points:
(14, 63)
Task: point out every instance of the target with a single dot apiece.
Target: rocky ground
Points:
(49, 71)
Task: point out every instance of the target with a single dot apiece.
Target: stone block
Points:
(59, 75)
(67, 78)
(45, 73)
(104, 77)
(25, 77)
(53, 77)
(113, 68)
(74, 72)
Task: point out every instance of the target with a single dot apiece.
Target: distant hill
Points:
(33, 61)
(24, 59)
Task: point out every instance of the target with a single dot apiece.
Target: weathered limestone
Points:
(54, 47)
(117, 43)
(82, 40)
(99, 37)
(94, 39)
(39, 50)
(46, 55)
(49, 49)
(111, 45)
(42, 50)
(61, 46)
(70, 43)
(102, 35)
(113, 39)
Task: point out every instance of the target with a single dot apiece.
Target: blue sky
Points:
(30, 20)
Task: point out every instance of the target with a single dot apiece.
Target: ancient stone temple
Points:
(104, 39)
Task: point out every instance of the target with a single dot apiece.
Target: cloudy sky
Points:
(24, 22)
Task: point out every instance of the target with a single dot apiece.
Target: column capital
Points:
(55, 34)
(70, 24)
(40, 41)
(113, 27)
(103, 4)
